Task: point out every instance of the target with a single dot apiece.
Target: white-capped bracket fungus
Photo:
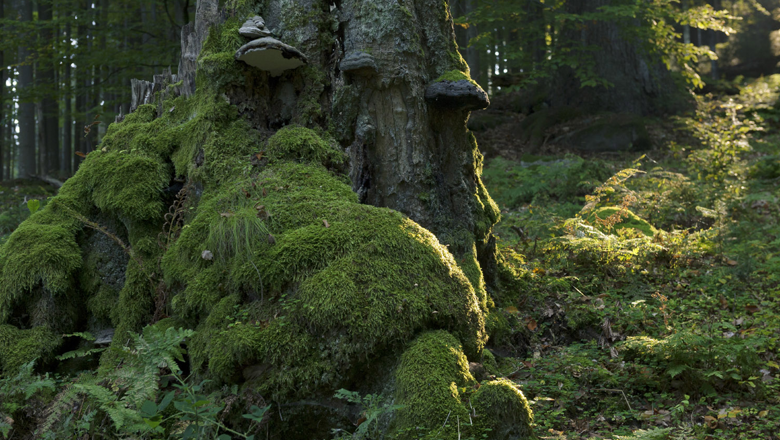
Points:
(271, 54)
(254, 28)
(457, 95)
(358, 63)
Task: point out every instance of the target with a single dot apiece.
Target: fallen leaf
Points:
(246, 193)
(259, 155)
(511, 309)
(227, 214)
(325, 222)
(752, 308)
(361, 420)
(734, 413)
(711, 422)
(79, 154)
(763, 413)
(723, 303)
(530, 323)
(731, 262)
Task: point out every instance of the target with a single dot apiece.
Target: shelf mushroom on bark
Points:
(358, 63)
(266, 52)
(457, 95)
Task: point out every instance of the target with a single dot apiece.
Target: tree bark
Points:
(26, 156)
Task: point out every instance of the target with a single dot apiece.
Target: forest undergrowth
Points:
(649, 301)
(641, 301)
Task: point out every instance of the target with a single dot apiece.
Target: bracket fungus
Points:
(457, 95)
(266, 52)
(271, 54)
(358, 62)
(254, 28)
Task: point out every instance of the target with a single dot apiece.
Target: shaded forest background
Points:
(67, 64)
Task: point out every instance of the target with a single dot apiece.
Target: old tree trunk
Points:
(315, 214)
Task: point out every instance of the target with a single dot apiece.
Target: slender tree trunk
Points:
(473, 54)
(713, 37)
(50, 110)
(27, 157)
(3, 144)
(67, 120)
(686, 27)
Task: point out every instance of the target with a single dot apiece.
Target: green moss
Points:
(301, 144)
(18, 347)
(629, 220)
(456, 75)
(498, 328)
(336, 267)
(224, 37)
(470, 267)
(220, 69)
(35, 255)
(485, 210)
(489, 362)
(500, 406)
(428, 381)
(101, 304)
(108, 175)
(308, 107)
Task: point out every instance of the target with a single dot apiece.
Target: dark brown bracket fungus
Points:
(358, 62)
(271, 54)
(457, 95)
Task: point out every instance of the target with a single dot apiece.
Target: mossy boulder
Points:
(437, 391)
(18, 347)
(501, 407)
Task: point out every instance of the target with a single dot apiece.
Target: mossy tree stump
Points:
(320, 228)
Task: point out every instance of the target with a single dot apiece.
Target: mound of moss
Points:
(259, 244)
(325, 284)
(436, 389)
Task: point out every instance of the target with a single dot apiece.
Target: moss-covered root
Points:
(429, 378)
(502, 408)
(18, 347)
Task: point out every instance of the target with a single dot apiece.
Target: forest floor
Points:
(661, 318)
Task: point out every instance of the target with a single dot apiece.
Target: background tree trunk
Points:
(639, 85)
(49, 123)
(3, 76)
(27, 157)
(67, 119)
